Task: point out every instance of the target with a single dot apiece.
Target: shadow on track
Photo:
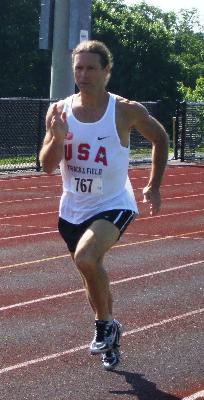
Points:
(142, 388)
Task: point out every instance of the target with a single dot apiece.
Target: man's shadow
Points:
(142, 388)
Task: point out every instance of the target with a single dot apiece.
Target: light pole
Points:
(62, 81)
(64, 23)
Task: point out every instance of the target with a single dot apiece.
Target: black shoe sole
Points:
(111, 367)
(115, 348)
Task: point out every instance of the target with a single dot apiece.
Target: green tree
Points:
(189, 46)
(196, 94)
(142, 45)
(153, 50)
(24, 70)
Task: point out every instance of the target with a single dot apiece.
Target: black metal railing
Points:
(189, 132)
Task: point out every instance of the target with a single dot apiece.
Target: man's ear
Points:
(107, 69)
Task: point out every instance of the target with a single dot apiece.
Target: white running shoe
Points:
(106, 334)
(112, 357)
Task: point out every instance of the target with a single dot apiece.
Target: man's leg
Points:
(88, 257)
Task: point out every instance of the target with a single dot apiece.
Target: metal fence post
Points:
(158, 111)
(183, 131)
(39, 135)
(176, 136)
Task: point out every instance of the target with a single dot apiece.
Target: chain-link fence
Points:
(189, 132)
(140, 148)
(22, 129)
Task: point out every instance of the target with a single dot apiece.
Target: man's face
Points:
(89, 74)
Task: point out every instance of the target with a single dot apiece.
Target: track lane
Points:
(75, 287)
(169, 342)
(48, 220)
(147, 299)
(153, 367)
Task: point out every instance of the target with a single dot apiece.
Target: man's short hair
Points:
(96, 47)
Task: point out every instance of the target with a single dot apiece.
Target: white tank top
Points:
(94, 168)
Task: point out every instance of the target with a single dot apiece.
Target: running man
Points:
(88, 135)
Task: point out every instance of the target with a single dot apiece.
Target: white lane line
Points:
(39, 300)
(26, 226)
(175, 184)
(171, 214)
(57, 175)
(181, 235)
(141, 234)
(28, 235)
(30, 187)
(29, 215)
(181, 197)
(197, 395)
(184, 183)
(164, 321)
(194, 238)
(24, 178)
(86, 346)
(30, 199)
(22, 264)
(58, 196)
(116, 282)
(166, 175)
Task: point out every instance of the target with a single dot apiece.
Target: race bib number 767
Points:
(86, 185)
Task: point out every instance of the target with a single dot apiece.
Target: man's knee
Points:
(86, 260)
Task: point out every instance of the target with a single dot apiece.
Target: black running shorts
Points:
(71, 233)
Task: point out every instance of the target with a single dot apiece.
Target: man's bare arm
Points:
(154, 132)
(53, 146)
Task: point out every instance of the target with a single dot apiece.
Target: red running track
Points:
(156, 274)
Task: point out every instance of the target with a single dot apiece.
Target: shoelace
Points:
(101, 330)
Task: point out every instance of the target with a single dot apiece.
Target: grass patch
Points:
(16, 160)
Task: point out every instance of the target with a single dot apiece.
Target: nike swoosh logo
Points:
(103, 137)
